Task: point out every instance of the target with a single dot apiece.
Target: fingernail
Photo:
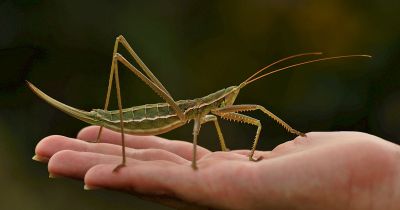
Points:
(53, 176)
(89, 187)
(40, 158)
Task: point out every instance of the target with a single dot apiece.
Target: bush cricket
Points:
(154, 119)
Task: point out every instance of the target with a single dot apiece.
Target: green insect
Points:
(154, 119)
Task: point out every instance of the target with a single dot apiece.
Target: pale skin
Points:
(325, 170)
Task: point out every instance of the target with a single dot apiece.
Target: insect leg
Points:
(252, 107)
(209, 118)
(110, 81)
(246, 119)
(119, 58)
(120, 116)
(196, 130)
(121, 39)
(152, 85)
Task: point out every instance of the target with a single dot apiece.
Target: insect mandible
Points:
(154, 119)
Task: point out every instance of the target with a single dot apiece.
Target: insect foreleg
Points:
(246, 119)
(252, 107)
(213, 118)
(196, 130)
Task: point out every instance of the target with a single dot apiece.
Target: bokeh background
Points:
(194, 48)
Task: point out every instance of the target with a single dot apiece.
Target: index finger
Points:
(181, 148)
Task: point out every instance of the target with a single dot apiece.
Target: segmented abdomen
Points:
(149, 119)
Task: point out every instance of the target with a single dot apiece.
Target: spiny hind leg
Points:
(252, 107)
(245, 119)
(213, 118)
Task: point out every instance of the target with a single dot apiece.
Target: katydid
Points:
(154, 119)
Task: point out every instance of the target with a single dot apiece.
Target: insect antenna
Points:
(248, 81)
(280, 61)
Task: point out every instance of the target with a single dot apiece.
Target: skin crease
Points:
(325, 170)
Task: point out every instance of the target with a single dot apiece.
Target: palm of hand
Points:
(336, 170)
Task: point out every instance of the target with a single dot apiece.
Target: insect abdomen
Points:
(149, 119)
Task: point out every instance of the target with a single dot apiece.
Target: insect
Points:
(154, 119)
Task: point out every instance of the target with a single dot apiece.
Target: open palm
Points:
(325, 170)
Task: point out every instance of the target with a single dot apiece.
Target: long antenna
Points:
(281, 60)
(246, 82)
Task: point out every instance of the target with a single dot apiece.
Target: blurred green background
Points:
(194, 48)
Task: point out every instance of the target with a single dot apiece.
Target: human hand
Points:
(325, 170)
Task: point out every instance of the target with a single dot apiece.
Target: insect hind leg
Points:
(160, 88)
(120, 117)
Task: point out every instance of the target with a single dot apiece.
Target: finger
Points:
(181, 148)
(53, 144)
(141, 178)
(195, 186)
(312, 139)
(74, 164)
(318, 139)
(246, 152)
(46, 147)
(108, 136)
(218, 157)
(241, 151)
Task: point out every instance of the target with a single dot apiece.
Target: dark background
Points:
(194, 48)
